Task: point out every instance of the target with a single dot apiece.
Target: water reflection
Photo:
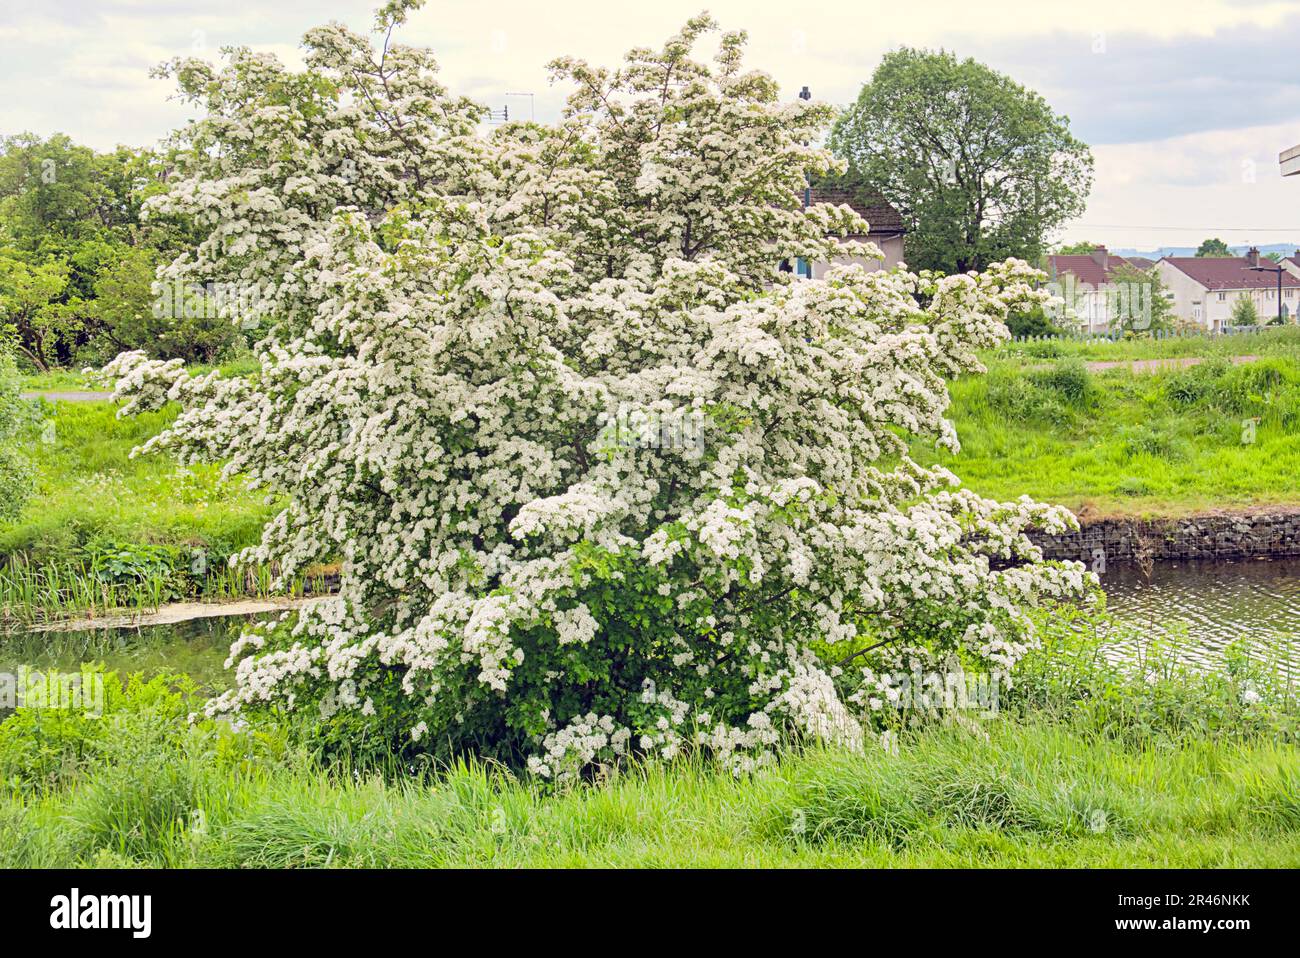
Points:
(197, 648)
(1208, 603)
(1216, 602)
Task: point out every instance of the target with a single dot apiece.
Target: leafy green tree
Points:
(1213, 247)
(51, 196)
(1142, 301)
(979, 167)
(15, 471)
(130, 315)
(1082, 248)
(71, 232)
(1244, 312)
(32, 306)
(1033, 322)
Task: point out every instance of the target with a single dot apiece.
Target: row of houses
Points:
(1098, 286)
(1203, 290)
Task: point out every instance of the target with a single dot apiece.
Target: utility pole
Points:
(532, 108)
(1273, 269)
(803, 268)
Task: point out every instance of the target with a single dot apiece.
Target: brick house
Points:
(1086, 282)
(887, 230)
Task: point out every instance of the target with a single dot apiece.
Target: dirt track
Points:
(1154, 365)
(71, 396)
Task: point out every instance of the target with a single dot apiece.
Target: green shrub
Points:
(1145, 440)
(143, 794)
(1071, 382)
(1045, 349)
(1018, 399)
(42, 749)
(16, 475)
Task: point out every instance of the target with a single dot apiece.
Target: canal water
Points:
(197, 648)
(1202, 605)
(1206, 605)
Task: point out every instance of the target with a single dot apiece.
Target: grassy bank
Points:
(1022, 796)
(106, 531)
(1013, 796)
(1086, 762)
(1170, 442)
(90, 494)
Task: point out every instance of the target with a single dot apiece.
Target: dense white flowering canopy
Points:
(601, 477)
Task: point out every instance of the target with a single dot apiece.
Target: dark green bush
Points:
(43, 749)
(1070, 382)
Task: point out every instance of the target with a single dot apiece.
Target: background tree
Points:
(129, 314)
(979, 167)
(1142, 304)
(1244, 312)
(1032, 322)
(1081, 248)
(1213, 247)
(72, 229)
(34, 309)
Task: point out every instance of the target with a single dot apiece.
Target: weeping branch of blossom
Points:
(600, 477)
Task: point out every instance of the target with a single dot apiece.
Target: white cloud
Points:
(1192, 90)
(1180, 190)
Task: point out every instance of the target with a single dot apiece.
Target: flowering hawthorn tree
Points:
(601, 478)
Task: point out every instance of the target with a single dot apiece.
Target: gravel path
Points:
(1152, 365)
(80, 395)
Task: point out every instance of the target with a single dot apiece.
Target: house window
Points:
(1222, 297)
(803, 268)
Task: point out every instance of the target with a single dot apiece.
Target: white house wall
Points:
(1212, 309)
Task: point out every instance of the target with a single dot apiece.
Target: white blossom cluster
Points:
(454, 319)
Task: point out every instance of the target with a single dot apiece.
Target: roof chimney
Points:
(805, 94)
(1100, 256)
(1252, 256)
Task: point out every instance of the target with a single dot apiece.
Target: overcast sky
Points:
(1186, 103)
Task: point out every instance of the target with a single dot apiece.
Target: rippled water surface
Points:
(1215, 602)
(1204, 605)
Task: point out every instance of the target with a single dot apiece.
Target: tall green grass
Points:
(1036, 785)
(38, 594)
(1167, 442)
(1011, 796)
(1283, 341)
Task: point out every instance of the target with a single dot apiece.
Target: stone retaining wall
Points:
(1271, 533)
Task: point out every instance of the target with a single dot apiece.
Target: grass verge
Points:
(1013, 795)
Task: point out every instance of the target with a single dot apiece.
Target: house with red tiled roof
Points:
(886, 229)
(1087, 283)
(1292, 264)
(1205, 288)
